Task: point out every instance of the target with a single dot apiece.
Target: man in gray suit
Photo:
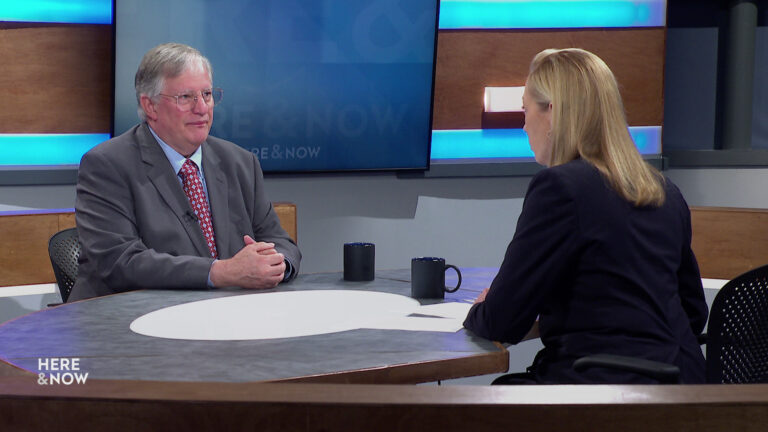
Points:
(167, 206)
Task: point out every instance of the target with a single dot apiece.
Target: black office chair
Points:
(737, 333)
(664, 373)
(736, 338)
(64, 251)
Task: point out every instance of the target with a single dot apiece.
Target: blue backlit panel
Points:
(46, 149)
(57, 11)
(647, 139)
(480, 144)
(67, 149)
(513, 143)
(542, 14)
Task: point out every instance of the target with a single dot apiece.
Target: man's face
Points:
(182, 128)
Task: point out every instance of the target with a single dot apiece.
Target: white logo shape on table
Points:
(297, 313)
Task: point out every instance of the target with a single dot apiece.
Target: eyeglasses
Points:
(186, 101)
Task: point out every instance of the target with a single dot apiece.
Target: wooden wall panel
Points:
(66, 220)
(56, 79)
(729, 241)
(286, 212)
(469, 61)
(24, 252)
(24, 243)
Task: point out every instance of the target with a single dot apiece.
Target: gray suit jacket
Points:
(136, 225)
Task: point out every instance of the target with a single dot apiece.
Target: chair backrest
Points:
(737, 334)
(64, 250)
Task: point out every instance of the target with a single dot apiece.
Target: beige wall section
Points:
(469, 61)
(57, 78)
(24, 243)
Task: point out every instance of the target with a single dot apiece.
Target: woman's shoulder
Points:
(571, 181)
(673, 195)
(576, 174)
(576, 167)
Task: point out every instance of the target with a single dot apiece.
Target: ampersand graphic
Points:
(41, 379)
(276, 153)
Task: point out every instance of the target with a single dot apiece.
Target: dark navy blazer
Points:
(602, 276)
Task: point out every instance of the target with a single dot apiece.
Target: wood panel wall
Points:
(24, 242)
(24, 246)
(59, 76)
(286, 212)
(56, 78)
(470, 60)
(729, 241)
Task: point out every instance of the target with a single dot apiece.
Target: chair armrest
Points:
(663, 372)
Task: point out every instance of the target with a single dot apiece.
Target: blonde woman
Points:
(602, 250)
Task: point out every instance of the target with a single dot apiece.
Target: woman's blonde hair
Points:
(588, 121)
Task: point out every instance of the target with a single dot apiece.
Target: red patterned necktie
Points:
(193, 187)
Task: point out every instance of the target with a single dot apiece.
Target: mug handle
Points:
(458, 273)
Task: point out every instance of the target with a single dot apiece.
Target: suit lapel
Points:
(218, 198)
(160, 173)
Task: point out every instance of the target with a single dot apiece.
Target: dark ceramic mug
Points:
(428, 278)
(359, 261)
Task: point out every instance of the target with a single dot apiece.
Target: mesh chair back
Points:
(64, 250)
(737, 334)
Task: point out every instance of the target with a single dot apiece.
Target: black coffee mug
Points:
(359, 261)
(428, 278)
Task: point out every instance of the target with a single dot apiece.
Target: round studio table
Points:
(97, 333)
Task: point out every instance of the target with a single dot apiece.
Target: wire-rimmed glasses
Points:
(185, 101)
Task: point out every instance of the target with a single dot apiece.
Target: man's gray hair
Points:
(164, 61)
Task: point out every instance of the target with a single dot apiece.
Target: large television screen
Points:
(309, 85)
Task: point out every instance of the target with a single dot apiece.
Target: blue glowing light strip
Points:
(46, 149)
(540, 14)
(513, 143)
(57, 11)
(67, 149)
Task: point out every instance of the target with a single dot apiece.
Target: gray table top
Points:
(97, 332)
